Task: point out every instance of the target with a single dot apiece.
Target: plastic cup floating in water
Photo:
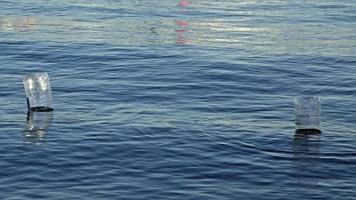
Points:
(38, 92)
(307, 114)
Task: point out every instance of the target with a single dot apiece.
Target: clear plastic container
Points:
(38, 92)
(307, 114)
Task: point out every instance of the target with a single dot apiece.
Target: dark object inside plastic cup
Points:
(38, 108)
(41, 109)
(307, 131)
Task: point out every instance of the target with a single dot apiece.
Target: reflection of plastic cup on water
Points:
(38, 92)
(307, 113)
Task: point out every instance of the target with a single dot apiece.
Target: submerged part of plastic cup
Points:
(37, 125)
(307, 113)
(38, 92)
(39, 121)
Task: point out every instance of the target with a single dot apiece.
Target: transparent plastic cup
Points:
(307, 113)
(38, 92)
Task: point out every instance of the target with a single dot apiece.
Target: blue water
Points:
(159, 101)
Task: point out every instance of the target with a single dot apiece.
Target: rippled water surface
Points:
(178, 100)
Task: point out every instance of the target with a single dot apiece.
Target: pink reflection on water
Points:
(180, 30)
(184, 3)
(183, 26)
(182, 23)
(181, 40)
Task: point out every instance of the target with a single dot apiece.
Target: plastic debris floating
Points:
(38, 92)
(307, 114)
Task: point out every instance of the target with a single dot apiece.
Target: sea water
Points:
(170, 100)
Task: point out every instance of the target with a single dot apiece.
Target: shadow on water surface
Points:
(37, 124)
